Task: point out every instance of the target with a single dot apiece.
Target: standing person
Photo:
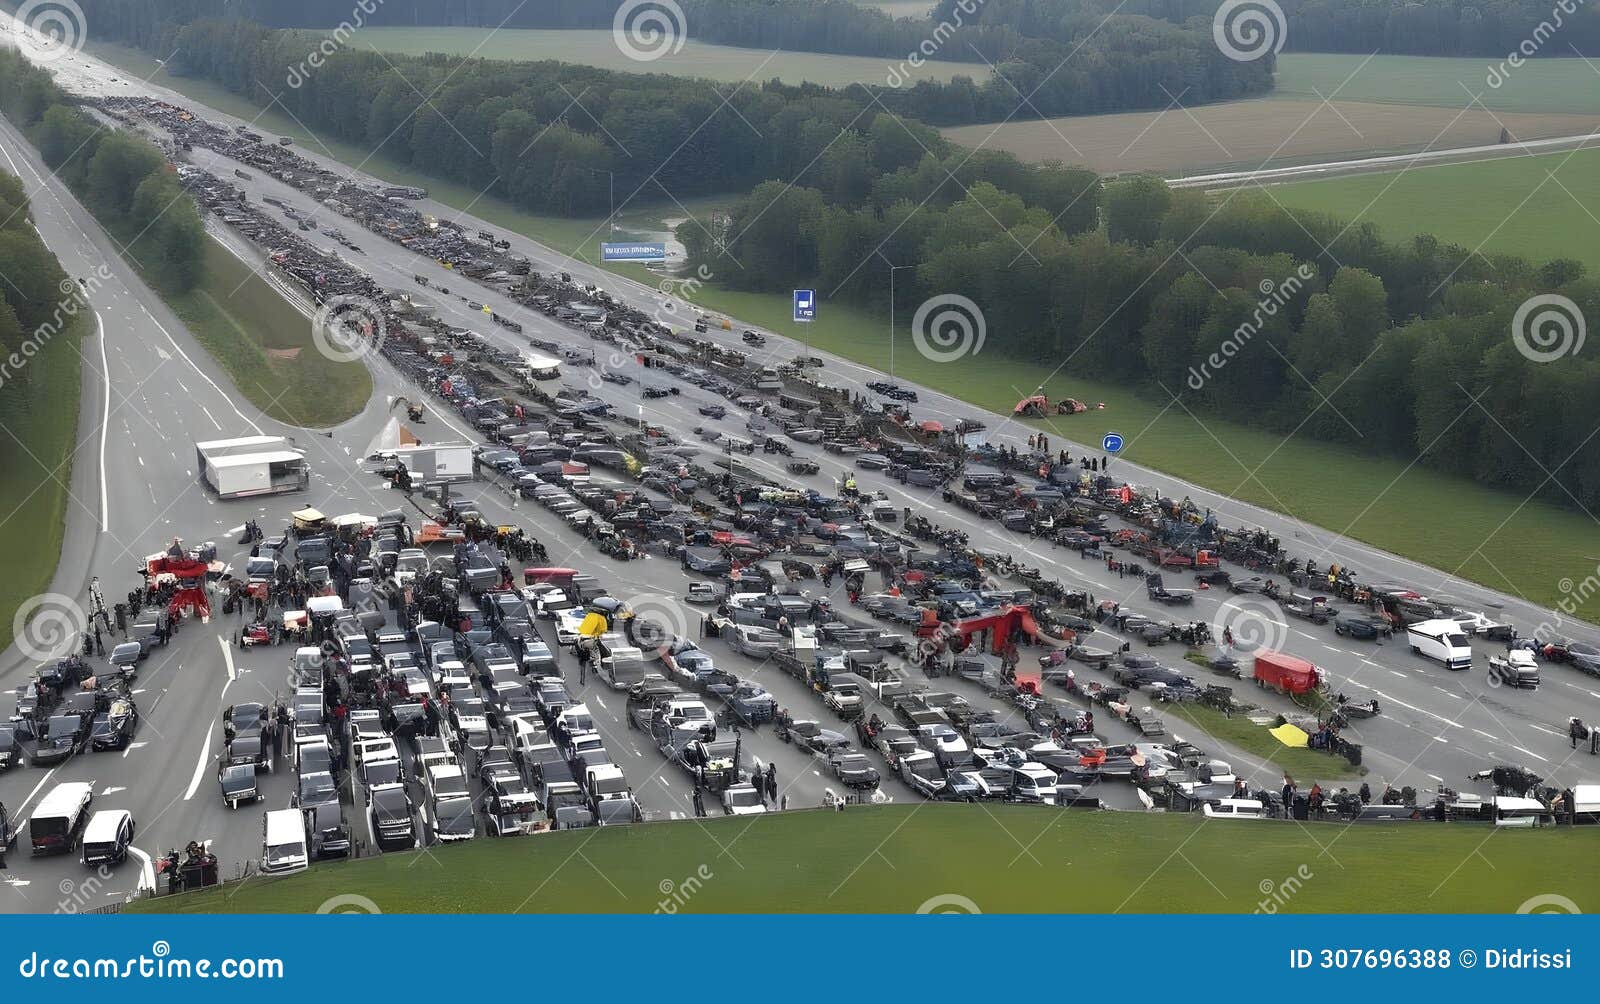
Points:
(772, 782)
(699, 802)
(99, 641)
(1288, 796)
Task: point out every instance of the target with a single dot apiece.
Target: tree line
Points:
(1390, 348)
(121, 178)
(1123, 63)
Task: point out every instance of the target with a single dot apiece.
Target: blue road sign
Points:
(1112, 443)
(633, 252)
(805, 305)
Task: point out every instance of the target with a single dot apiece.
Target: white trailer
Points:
(251, 474)
(440, 462)
(239, 447)
(541, 366)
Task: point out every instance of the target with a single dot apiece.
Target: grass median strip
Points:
(1304, 765)
(895, 859)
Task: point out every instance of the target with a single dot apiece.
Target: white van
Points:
(107, 837)
(1522, 813)
(60, 817)
(283, 842)
(1441, 640)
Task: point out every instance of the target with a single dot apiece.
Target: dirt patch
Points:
(1243, 134)
(283, 353)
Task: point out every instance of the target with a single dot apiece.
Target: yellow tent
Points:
(1289, 735)
(594, 625)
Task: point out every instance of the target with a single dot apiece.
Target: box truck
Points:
(1441, 640)
(440, 462)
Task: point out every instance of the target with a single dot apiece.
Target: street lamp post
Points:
(892, 270)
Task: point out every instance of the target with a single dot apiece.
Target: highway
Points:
(151, 391)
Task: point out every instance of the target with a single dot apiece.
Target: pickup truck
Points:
(845, 700)
(922, 773)
(610, 798)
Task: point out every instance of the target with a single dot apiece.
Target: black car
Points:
(652, 390)
(249, 748)
(392, 818)
(243, 719)
(64, 735)
(238, 782)
(11, 754)
(1360, 628)
(330, 834)
(713, 411)
(313, 790)
(114, 727)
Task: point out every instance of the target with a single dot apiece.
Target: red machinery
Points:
(1003, 627)
(189, 574)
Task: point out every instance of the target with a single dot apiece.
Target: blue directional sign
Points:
(633, 252)
(805, 305)
(1112, 443)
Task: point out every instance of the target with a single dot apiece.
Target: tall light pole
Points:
(892, 270)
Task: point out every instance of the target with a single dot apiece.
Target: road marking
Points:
(111, 789)
(147, 869)
(1528, 752)
(1396, 672)
(1332, 649)
(133, 746)
(200, 765)
(1487, 735)
(227, 657)
(105, 421)
(42, 781)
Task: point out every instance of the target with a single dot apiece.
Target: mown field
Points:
(1448, 523)
(1539, 207)
(37, 451)
(1540, 85)
(896, 859)
(265, 346)
(696, 59)
(1258, 134)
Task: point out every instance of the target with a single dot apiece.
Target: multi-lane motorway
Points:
(151, 391)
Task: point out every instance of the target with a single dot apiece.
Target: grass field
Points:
(696, 59)
(1538, 207)
(1304, 765)
(265, 346)
(894, 859)
(37, 444)
(1540, 85)
(1258, 134)
(1529, 548)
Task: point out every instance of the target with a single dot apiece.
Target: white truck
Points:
(1441, 640)
(252, 465)
(440, 462)
(609, 795)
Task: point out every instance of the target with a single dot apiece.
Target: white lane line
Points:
(1528, 752)
(1396, 672)
(1487, 735)
(105, 422)
(42, 782)
(179, 349)
(200, 765)
(227, 657)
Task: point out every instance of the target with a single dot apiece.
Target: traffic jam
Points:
(746, 591)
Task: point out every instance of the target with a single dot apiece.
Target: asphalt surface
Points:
(151, 391)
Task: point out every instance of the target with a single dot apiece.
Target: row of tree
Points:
(1119, 63)
(123, 179)
(1289, 321)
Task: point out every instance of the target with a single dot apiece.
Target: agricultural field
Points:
(1538, 207)
(697, 59)
(1541, 85)
(817, 861)
(1259, 133)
